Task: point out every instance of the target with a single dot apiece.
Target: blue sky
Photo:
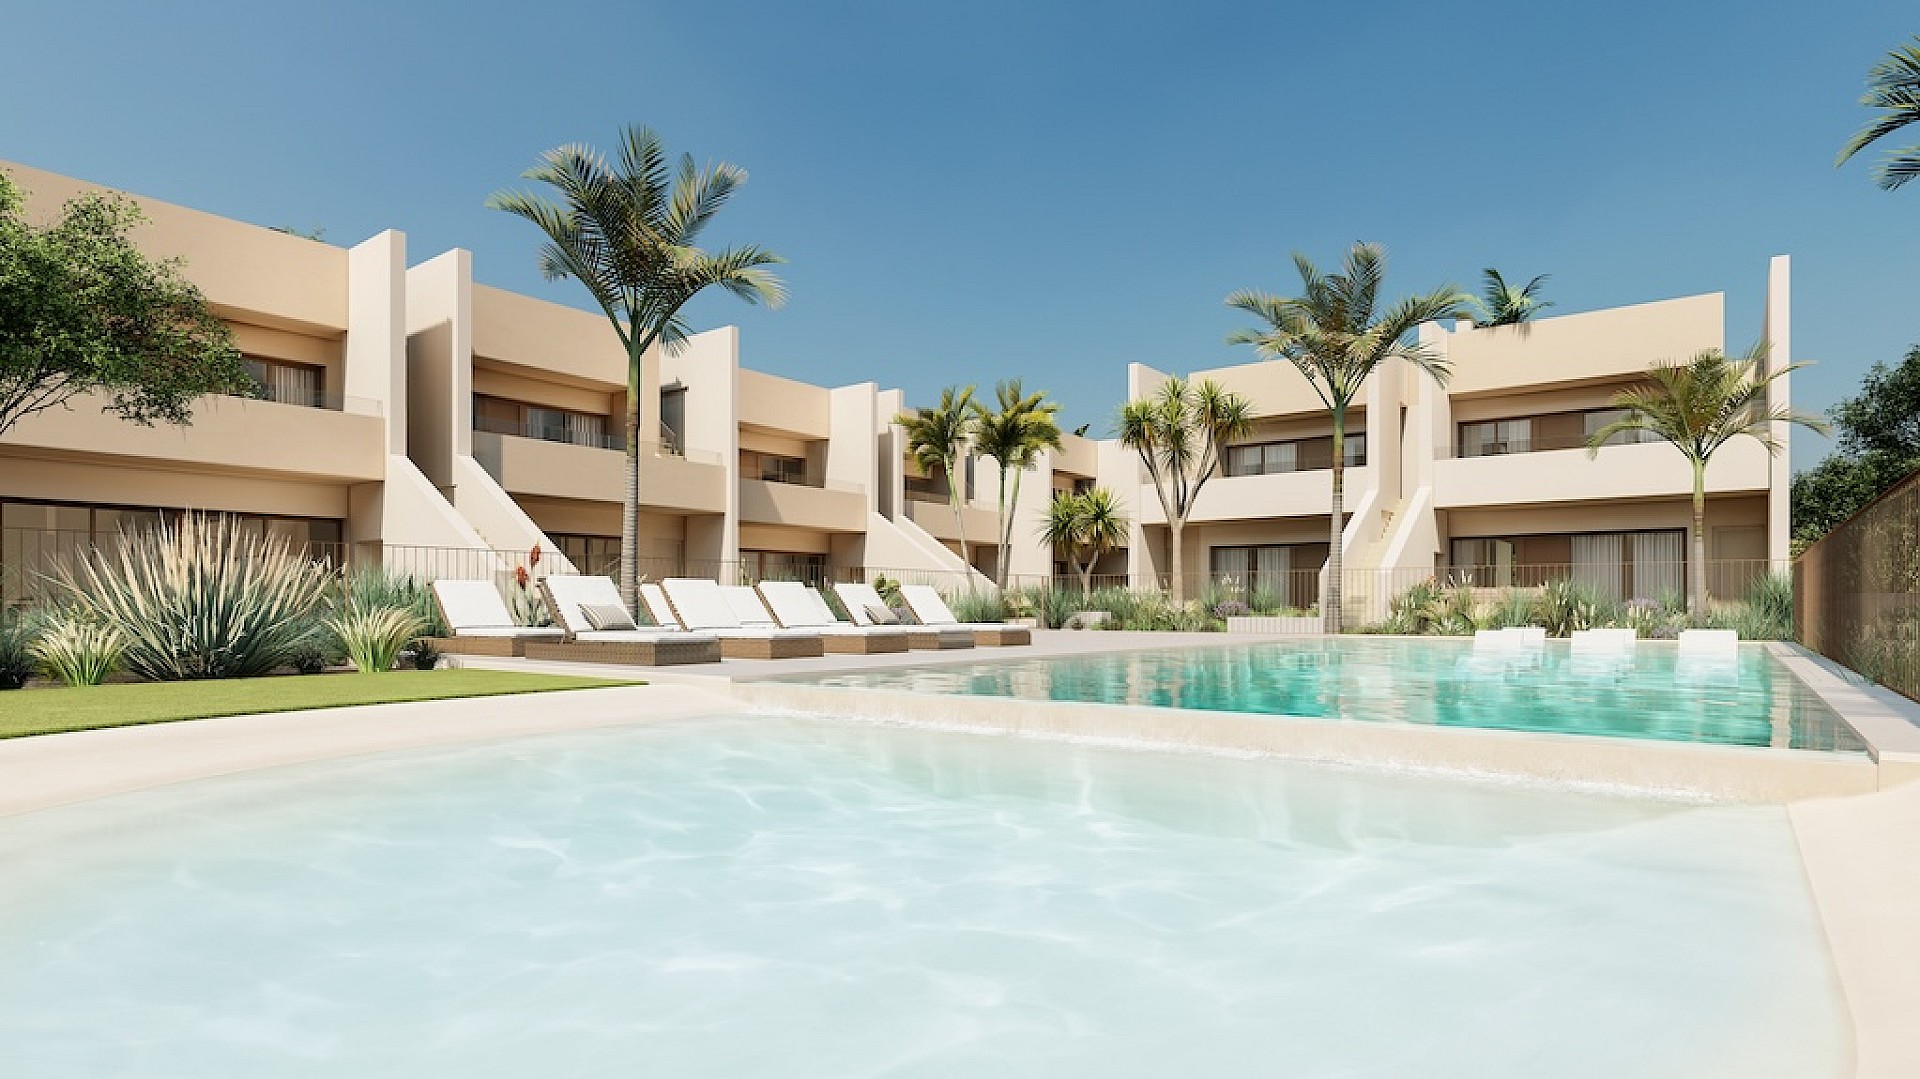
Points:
(971, 192)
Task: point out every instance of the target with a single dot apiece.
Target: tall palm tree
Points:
(1013, 434)
(1501, 304)
(1700, 406)
(939, 437)
(1180, 432)
(628, 232)
(1085, 526)
(1893, 86)
(1336, 335)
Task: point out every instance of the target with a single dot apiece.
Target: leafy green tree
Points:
(1893, 87)
(941, 437)
(1084, 527)
(1501, 304)
(1013, 434)
(1180, 432)
(1336, 335)
(1698, 407)
(84, 311)
(628, 231)
(1878, 446)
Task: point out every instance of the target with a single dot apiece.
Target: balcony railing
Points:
(922, 489)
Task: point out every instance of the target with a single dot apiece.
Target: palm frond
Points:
(1893, 86)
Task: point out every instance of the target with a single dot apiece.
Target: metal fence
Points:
(1857, 591)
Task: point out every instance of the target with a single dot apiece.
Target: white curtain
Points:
(1270, 568)
(1596, 562)
(287, 383)
(1659, 564)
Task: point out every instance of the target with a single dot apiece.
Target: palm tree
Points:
(1336, 335)
(1501, 304)
(1085, 526)
(1700, 406)
(1893, 86)
(939, 437)
(1180, 432)
(628, 232)
(1014, 435)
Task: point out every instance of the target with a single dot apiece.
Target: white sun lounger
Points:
(1709, 642)
(702, 607)
(480, 622)
(1604, 640)
(931, 610)
(861, 599)
(569, 595)
(798, 607)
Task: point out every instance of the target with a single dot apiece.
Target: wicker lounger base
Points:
(771, 647)
(478, 646)
(934, 639)
(631, 653)
(1003, 635)
(865, 644)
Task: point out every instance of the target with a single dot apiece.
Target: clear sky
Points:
(974, 191)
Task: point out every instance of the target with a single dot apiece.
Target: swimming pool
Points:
(750, 896)
(1649, 692)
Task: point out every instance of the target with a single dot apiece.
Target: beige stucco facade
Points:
(444, 423)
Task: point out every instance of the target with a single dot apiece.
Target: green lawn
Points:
(46, 711)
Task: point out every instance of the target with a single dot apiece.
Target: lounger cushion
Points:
(470, 604)
(882, 615)
(608, 616)
(530, 633)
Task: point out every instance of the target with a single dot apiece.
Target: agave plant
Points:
(203, 598)
(78, 649)
(375, 638)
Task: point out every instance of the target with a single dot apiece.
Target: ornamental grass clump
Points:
(374, 639)
(200, 598)
(77, 649)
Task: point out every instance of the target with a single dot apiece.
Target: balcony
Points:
(1277, 494)
(828, 508)
(1646, 470)
(228, 433)
(528, 464)
(936, 519)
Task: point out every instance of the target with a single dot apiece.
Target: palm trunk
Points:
(630, 497)
(1000, 549)
(1086, 582)
(1178, 529)
(1697, 575)
(959, 518)
(1006, 533)
(1332, 616)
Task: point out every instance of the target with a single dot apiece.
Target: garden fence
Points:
(1857, 591)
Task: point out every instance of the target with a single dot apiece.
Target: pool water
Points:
(758, 897)
(1650, 692)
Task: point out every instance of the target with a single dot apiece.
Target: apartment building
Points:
(1487, 480)
(411, 416)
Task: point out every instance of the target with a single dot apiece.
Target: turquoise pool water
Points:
(1651, 692)
(754, 897)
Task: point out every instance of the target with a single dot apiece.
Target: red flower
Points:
(533, 556)
(520, 576)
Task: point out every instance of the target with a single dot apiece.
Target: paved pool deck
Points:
(1860, 844)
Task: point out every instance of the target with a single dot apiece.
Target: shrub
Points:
(1232, 608)
(374, 639)
(78, 649)
(978, 606)
(1052, 605)
(1515, 607)
(424, 655)
(1769, 613)
(315, 651)
(372, 588)
(1567, 605)
(203, 598)
(18, 630)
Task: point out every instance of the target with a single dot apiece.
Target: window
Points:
(1546, 431)
(1296, 455)
(288, 383)
(34, 535)
(774, 468)
(595, 556)
(1269, 576)
(1644, 565)
(760, 566)
(502, 416)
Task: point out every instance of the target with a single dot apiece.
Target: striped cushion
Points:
(607, 616)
